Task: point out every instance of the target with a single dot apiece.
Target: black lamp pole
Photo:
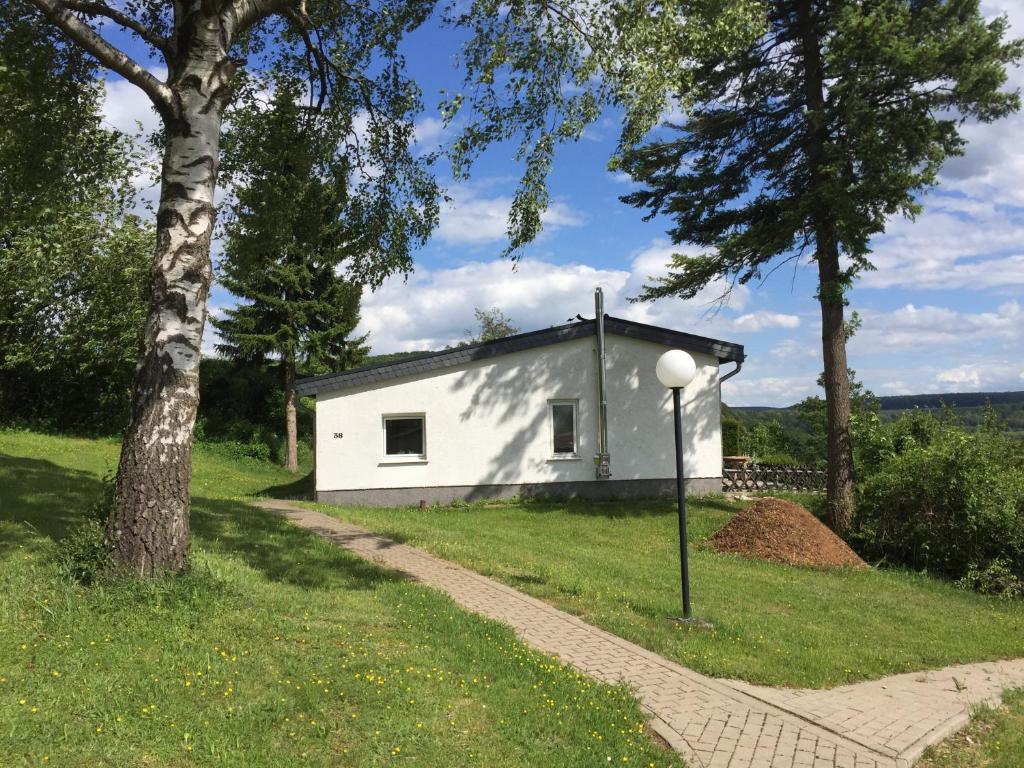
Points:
(681, 492)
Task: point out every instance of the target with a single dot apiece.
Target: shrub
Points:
(731, 430)
(781, 460)
(84, 554)
(997, 579)
(937, 498)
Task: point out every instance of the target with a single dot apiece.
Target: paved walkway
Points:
(714, 723)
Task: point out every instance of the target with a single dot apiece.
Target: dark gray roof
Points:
(723, 350)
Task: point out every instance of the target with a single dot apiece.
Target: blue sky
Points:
(943, 312)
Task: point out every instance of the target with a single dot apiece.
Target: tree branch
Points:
(60, 15)
(98, 8)
(302, 22)
(239, 15)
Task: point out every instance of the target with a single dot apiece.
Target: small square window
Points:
(563, 428)
(404, 436)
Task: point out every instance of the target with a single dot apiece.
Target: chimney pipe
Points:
(602, 460)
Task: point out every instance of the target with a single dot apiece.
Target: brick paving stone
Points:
(714, 723)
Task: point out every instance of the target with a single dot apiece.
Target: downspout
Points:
(729, 375)
(602, 460)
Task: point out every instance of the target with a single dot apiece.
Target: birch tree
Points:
(535, 69)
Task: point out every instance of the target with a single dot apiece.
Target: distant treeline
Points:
(952, 399)
(792, 435)
(907, 402)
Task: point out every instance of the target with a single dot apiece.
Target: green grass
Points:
(994, 739)
(617, 566)
(277, 649)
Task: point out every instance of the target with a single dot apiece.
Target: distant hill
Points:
(952, 399)
(968, 406)
(956, 400)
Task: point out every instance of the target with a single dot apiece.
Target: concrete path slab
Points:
(714, 723)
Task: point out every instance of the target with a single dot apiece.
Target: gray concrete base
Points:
(592, 489)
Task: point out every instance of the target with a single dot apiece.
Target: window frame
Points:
(402, 458)
(574, 403)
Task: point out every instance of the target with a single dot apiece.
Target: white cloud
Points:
(916, 328)
(957, 243)
(963, 377)
(759, 321)
(471, 218)
(797, 349)
(621, 177)
(434, 307)
(703, 314)
(750, 388)
(429, 131)
(126, 108)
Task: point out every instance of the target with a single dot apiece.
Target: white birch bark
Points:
(149, 526)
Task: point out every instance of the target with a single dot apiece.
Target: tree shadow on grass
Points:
(299, 488)
(625, 508)
(39, 495)
(279, 550)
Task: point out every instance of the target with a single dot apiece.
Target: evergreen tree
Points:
(289, 236)
(805, 142)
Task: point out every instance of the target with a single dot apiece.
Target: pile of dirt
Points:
(774, 529)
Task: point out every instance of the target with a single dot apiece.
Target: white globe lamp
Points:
(676, 368)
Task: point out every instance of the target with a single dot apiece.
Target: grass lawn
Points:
(617, 566)
(278, 649)
(994, 739)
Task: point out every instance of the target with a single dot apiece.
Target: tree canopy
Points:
(536, 71)
(738, 181)
(73, 261)
(805, 142)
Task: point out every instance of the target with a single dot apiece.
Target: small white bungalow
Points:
(521, 416)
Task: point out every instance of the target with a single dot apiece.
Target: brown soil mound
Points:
(773, 529)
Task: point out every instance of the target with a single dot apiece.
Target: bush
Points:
(84, 554)
(234, 449)
(937, 498)
(997, 579)
(777, 460)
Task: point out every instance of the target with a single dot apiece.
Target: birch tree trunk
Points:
(148, 529)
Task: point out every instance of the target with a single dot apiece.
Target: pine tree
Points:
(288, 238)
(805, 142)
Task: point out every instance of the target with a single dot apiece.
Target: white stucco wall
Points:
(487, 422)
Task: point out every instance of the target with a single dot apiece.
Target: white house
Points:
(520, 416)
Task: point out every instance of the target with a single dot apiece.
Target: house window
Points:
(405, 436)
(563, 428)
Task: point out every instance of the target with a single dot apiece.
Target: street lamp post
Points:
(675, 370)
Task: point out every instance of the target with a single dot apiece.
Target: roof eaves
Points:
(723, 350)
(444, 359)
